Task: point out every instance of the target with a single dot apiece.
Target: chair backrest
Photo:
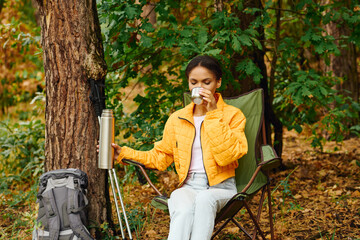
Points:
(252, 105)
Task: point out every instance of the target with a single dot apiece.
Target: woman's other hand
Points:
(117, 150)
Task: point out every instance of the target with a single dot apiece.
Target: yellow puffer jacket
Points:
(223, 142)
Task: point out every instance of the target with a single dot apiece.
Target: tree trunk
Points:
(345, 65)
(2, 2)
(248, 84)
(73, 53)
(270, 116)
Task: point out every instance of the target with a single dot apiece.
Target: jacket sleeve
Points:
(160, 157)
(227, 140)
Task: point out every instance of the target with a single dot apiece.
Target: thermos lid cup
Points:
(195, 96)
(107, 113)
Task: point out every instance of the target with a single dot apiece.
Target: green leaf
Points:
(323, 91)
(145, 40)
(131, 11)
(163, 32)
(202, 38)
(307, 36)
(147, 27)
(316, 37)
(186, 33)
(241, 66)
(169, 41)
(356, 106)
(257, 78)
(245, 40)
(236, 44)
(320, 48)
(218, 20)
(305, 91)
(357, 163)
(257, 44)
(250, 68)
(298, 128)
(213, 52)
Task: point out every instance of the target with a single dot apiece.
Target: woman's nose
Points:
(197, 85)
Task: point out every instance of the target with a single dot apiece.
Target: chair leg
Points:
(270, 212)
(221, 227)
(254, 220)
(259, 211)
(236, 223)
(242, 229)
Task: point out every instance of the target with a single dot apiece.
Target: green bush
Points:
(155, 56)
(21, 158)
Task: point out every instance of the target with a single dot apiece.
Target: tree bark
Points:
(73, 53)
(248, 84)
(344, 66)
(269, 94)
(2, 2)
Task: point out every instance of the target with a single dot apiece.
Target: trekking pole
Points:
(106, 153)
(122, 204)
(116, 204)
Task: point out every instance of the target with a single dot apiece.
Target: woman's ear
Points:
(218, 84)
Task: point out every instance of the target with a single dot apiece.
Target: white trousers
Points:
(193, 207)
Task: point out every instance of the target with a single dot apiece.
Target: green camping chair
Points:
(252, 173)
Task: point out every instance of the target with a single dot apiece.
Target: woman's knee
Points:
(181, 202)
(205, 199)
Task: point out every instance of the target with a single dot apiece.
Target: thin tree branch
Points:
(286, 10)
(275, 56)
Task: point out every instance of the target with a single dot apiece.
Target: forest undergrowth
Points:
(317, 196)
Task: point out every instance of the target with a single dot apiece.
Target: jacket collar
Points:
(187, 112)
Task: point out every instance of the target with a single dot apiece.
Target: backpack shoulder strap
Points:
(77, 201)
(52, 213)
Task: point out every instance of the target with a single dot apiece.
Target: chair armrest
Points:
(251, 180)
(269, 158)
(134, 163)
(142, 169)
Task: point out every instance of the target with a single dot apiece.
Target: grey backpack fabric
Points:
(62, 201)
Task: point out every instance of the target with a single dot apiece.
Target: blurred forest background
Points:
(304, 53)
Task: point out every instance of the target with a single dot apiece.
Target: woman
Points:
(204, 141)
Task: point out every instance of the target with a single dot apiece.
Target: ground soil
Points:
(316, 196)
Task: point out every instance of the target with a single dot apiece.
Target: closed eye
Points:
(206, 81)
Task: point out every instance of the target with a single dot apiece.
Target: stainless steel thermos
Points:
(106, 154)
(107, 136)
(195, 96)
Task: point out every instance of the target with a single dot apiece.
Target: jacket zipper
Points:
(187, 174)
(202, 153)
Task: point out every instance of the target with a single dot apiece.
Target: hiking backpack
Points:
(62, 201)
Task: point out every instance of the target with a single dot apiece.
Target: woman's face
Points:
(204, 78)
